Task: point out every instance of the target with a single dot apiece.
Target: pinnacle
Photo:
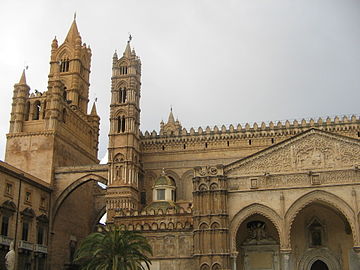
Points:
(73, 33)
(171, 117)
(127, 52)
(93, 110)
(23, 78)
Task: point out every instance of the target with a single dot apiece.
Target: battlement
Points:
(281, 128)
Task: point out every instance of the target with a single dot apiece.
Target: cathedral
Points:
(278, 196)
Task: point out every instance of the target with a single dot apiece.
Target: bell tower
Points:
(124, 141)
(51, 128)
(72, 59)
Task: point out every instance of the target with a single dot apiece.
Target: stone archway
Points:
(75, 212)
(319, 265)
(248, 211)
(314, 259)
(327, 199)
(73, 186)
(255, 237)
(320, 229)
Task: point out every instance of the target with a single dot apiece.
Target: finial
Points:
(170, 108)
(130, 38)
(74, 15)
(96, 99)
(163, 171)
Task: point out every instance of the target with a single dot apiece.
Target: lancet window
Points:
(123, 70)
(122, 95)
(121, 124)
(64, 65)
(36, 113)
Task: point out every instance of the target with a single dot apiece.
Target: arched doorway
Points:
(257, 244)
(319, 265)
(322, 238)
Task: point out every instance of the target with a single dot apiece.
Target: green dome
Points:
(163, 205)
(164, 180)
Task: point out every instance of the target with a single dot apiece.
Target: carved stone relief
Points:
(314, 150)
(171, 245)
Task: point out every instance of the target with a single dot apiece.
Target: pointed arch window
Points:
(122, 95)
(123, 70)
(64, 65)
(36, 112)
(121, 124)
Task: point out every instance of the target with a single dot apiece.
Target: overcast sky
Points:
(216, 62)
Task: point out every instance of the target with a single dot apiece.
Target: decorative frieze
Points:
(349, 176)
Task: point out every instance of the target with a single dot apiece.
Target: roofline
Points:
(21, 175)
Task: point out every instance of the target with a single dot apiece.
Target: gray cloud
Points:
(214, 62)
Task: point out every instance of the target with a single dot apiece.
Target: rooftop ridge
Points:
(263, 128)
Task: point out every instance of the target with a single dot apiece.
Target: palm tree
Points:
(114, 249)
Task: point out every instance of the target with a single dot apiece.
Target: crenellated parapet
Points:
(272, 131)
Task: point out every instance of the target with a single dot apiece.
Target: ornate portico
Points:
(302, 194)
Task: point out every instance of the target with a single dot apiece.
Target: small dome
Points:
(164, 180)
(164, 205)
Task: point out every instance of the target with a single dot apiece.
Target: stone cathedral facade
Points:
(275, 196)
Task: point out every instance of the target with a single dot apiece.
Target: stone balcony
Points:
(5, 241)
(26, 245)
(40, 248)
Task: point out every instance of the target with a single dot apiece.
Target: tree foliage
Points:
(114, 249)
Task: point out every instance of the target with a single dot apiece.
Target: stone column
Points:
(357, 252)
(285, 259)
(233, 258)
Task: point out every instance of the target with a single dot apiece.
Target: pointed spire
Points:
(73, 33)
(54, 44)
(115, 55)
(93, 110)
(23, 78)
(127, 52)
(171, 117)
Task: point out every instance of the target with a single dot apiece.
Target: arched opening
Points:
(122, 95)
(257, 244)
(36, 110)
(121, 124)
(322, 237)
(319, 265)
(123, 69)
(72, 220)
(64, 64)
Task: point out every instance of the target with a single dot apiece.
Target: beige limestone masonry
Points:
(281, 195)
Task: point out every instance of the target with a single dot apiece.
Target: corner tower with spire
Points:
(52, 128)
(71, 62)
(124, 135)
